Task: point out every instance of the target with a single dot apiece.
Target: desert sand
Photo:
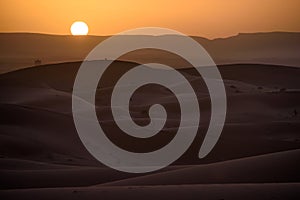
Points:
(257, 156)
(20, 50)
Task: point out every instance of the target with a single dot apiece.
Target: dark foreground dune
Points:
(207, 191)
(257, 156)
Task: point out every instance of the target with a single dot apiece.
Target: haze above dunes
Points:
(19, 50)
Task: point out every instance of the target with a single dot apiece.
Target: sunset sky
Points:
(207, 18)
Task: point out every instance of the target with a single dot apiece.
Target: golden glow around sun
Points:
(79, 28)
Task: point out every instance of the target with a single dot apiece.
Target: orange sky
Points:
(207, 18)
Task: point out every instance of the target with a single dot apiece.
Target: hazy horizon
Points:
(209, 19)
(144, 34)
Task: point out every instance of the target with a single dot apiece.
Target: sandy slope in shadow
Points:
(256, 156)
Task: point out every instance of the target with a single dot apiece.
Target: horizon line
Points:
(88, 35)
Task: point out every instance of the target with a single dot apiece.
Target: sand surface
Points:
(257, 156)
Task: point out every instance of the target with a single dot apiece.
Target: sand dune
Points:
(274, 191)
(257, 156)
(19, 50)
(270, 168)
(41, 107)
(19, 164)
(79, 176)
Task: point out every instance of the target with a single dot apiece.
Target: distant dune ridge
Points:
(20, 50)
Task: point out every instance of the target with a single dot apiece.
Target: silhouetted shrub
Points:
(37, 62)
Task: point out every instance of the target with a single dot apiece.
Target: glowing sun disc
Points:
(79, 28)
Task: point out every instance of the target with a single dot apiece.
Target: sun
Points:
(79, 28)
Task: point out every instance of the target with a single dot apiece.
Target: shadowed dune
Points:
(41, 155)
(270, 168)
(210, 191)
(38, 101)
